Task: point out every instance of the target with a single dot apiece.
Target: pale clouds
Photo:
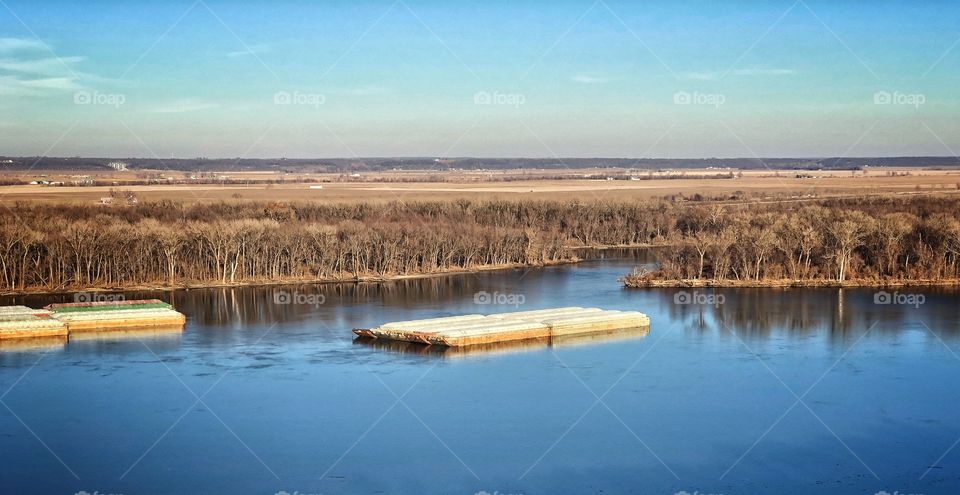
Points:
(59, 83)
(751, 72)
(763, 72)
(367, 90)
(41, 66)
(249, 50)
(588, 79)
(185, 105)
(8, 45)
(28, 67)
(700, 76)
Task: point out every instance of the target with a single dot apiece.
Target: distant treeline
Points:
(66, 246)
(429, 163)
(353, 178)
(863, 241)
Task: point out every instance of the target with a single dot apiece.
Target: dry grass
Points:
(478, 186)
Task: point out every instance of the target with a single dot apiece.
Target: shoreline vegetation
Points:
(857, 242)
(63, 248)
(268, 283)
(875, 241)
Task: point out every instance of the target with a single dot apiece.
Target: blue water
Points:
(763, 391)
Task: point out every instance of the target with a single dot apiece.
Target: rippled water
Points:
(778, 391)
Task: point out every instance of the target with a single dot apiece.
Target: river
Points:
(266, 391)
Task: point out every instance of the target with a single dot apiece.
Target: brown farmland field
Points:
(431, 185)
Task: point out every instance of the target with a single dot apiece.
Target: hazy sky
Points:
(481, 78)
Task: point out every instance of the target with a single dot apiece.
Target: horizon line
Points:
(434, 157)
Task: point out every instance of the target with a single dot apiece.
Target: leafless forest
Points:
(59, 247)
(866, 242)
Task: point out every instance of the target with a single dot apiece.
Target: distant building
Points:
(118, 166)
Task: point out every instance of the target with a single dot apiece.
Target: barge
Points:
(476, 329)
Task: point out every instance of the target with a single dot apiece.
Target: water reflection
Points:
(327, 312)
(32, 345)
(501, 348)
(291, 382)
(267, 305)
(842, 313)
(171, 333)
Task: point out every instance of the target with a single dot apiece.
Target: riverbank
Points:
(639, 282)
(366, 279)
(580, 253)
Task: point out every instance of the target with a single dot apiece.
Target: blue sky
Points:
(492, 78)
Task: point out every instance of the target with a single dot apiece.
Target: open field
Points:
(411, 186)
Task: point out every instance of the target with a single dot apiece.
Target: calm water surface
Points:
(761, 391)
